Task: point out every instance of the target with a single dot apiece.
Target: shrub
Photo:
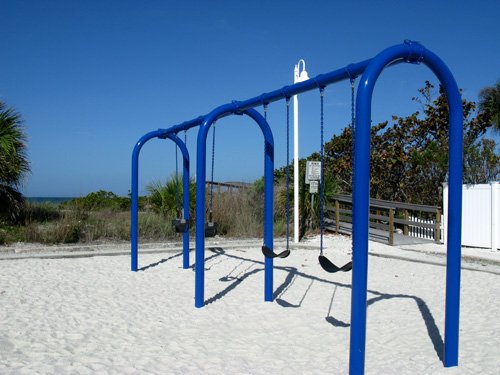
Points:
(153, 226)
(99, 200)
(40, 212)
(166, 198)
(66, 229)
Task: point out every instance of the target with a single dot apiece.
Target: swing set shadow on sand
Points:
(369, 70)
(292, 273)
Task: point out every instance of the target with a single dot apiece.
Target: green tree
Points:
(14, 165)
(489, 104)
(409, 155)
(481, 163)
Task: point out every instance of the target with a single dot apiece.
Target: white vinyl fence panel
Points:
(480, 215)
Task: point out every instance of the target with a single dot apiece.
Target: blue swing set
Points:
(369, 70)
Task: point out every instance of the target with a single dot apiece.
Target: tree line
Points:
(409, 155)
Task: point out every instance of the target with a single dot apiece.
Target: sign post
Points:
(313, 176)
(313, 171)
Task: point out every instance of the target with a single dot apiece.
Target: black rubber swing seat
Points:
(179, 225)
(210, 229)
(332, 268)
(268, 253)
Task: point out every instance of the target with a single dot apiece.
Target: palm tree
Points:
(489, 102)
(14, 163)
(167, 197)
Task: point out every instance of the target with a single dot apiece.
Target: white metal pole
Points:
(298, 76)
(295, 168)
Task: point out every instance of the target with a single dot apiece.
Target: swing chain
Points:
(212, 175)
(177, 203)
(322, 182)
(353, 118)
(185, 144)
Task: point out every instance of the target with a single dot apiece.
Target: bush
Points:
(153, 226)
(234, 214)
(241, 212)
(66, 229)
(40, 212)
(99, 200)
(109, 225)
(166, 198)
(9, 234)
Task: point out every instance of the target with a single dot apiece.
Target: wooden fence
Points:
(385, 217)
(230, 187)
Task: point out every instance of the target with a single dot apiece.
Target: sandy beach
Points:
(80, 310)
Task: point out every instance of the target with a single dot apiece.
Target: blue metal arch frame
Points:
(222, 111)
(361, 196)
(134, 217)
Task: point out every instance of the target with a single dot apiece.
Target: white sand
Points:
(92, 315)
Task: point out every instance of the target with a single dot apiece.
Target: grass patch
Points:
(104, 216)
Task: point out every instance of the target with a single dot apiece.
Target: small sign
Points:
(313, 187)
(313, 171)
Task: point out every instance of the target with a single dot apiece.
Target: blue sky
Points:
(91, 77)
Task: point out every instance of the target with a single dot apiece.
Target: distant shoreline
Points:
(53, 200)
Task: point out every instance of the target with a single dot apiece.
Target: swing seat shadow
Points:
(284, 303)
(230, 278)
(337, 323)
(286, 285)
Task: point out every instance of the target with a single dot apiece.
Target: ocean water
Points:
(53, 200)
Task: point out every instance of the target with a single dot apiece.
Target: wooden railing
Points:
(220, 187)
(385, 216)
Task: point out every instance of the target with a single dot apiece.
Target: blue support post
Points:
(454, 245)
(414, 53)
